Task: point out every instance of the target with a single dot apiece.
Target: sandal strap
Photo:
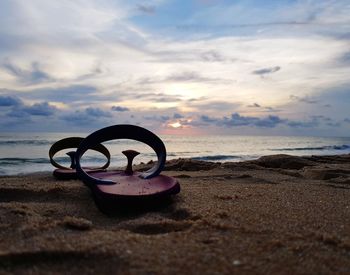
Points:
(121, 131)
(73, 142)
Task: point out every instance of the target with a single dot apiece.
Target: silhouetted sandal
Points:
(65, 173)
(113, 189)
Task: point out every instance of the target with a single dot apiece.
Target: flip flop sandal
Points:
(65, 173)
(112, 189)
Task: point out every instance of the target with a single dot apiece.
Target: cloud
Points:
(120, 109)
(68, 94)
(213, 105)
(315, 121)
(255, 105)
(97, 112)
(286, 18)
(43, 17)
(236, 120)
(305, 99)
(345, 58)
(31, 76)
(271, 121)
(266, 71)
(303, 124)
(212, 56)
(333, 124)
(8, 101)
(105, 52)
(263, 108)
(189, 76)
(198, 99)
(208, 119)
(347, 120)
(184, 76)
(40, 109)
(148, 9)
(86, 116)
(177, 116)
(43, 109)
(161, 118)
(154, 97)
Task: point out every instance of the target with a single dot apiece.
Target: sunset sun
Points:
(175, 124)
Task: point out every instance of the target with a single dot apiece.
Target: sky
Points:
(191, 67)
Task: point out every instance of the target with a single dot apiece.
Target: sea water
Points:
(22, 153)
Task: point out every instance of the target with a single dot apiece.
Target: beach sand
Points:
(276, 215)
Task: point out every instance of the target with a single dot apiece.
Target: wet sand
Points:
(276, 215)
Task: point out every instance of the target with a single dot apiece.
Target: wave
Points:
(216, 157)
(17, 161)
(319, 148)
(25, 142)
(20, 161)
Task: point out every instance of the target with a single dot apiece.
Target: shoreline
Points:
(284, 158)
(276, 215)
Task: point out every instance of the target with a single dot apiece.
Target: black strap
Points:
(73, 142)
(122, 131)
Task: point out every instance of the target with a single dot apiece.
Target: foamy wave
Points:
(25, 142)
(18, 161)
(319, 148)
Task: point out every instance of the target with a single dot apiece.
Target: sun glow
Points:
(175, 124)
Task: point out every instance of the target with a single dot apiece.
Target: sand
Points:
(276, 215)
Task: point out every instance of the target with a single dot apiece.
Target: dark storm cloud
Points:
(43, 109)
(305, 99)
(15, 108)
(8, 101)
(40, 109)
(333, 124)
(86, 116)
(272, 121)
(238, 120)
(266, 71)
(177, 116)
(120, 109)
(314, 121)
(321, 117)
(208, 119)
(97, 112)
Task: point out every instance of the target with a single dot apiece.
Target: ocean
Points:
(22, 153)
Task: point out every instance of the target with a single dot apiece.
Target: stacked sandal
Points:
(113, 189)
(66, 173)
